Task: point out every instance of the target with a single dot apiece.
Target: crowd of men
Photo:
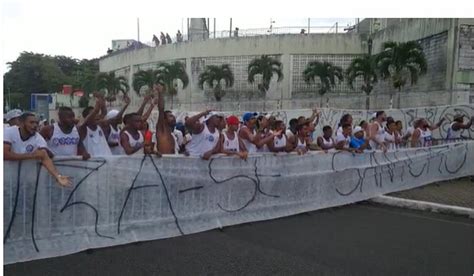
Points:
(202, 135)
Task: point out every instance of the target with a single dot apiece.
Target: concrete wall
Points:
(438, 38)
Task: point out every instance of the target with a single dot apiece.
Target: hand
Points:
(86, 156)
(243, 155)
(316, 112)
(126, 99)
(147, 98)
(277, 133)
(64, 181)
(207, 155)
(155, 101)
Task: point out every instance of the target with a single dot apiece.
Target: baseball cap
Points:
(233, 120)
(12, 114)
(248, 115)
(357, 129)
(111, 114)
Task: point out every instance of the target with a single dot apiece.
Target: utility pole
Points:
(214, 27)
(138, 32)
(309, 24)
(230, 30)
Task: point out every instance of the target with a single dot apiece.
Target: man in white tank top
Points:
(326, 142)
(376, 132)
(299, 142)
(90, 133)
(343, 139)
(457, 126)
(229, 141)
(25, 143)
(131, 138)
(205, 135)
(63, 137)
(280, 142)
(110, 126)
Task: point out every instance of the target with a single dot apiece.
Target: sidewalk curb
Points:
(424, 206)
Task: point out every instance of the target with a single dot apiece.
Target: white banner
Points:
(123, 199)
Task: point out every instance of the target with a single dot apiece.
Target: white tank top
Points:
(95, 142)
(63, 144)
(426, 139)
(453, 134)
(135, 143)
(114, 137)
(390, 141)
(202, 142)
(299, 143)
(251, 147)
(279, 142)
(231, 145)
(329, 143)
(379, 137)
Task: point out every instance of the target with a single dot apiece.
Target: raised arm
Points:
(192, 122)
(438, 124)
(92, 115)
(142, 107)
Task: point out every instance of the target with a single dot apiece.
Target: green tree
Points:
(170, 74)
(265, 66)
(112, 84)
(145, 79)
(32, 73)
(364, 67)
(400, 62)
(213, 76)
(327, 74)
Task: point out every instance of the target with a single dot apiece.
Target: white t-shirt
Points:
(203, 142)
(231, 145)
(12, 137)
(135, 143)
(340, 137)
(114, 137)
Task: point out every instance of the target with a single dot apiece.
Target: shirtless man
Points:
(25, 143)
(166, 142)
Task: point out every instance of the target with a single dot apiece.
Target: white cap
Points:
(374, 115)
(213, 113)
(357, 129)
(12, 114)
(111, 114)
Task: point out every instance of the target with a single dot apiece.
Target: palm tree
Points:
(146, 79)
(267, 67)
(213, 76)
(112, 84)
(169, 74)
(327, 74)
(364, 67)
(400, 61)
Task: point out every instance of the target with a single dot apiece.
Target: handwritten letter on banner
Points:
(122, 199)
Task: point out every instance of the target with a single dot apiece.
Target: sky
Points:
(91, 37)
(85, 28)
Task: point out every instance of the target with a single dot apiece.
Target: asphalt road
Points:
(360, 239)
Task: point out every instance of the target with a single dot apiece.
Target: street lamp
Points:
(369, 44)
